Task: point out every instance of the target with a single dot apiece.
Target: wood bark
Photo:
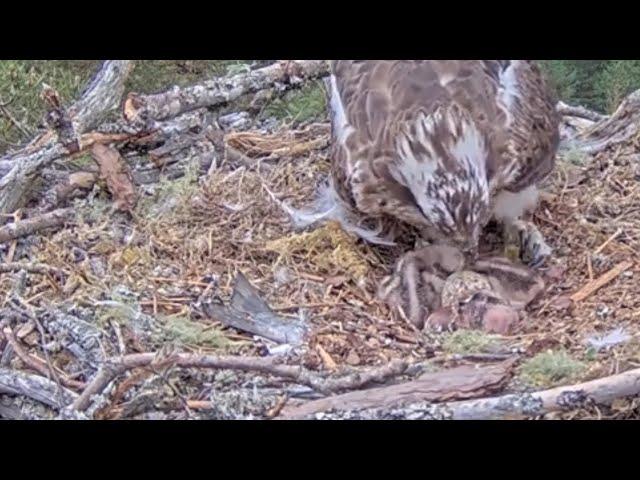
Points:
(579, 111)
(458, 383)
(15, 382)
(602, 391)
(617, 129)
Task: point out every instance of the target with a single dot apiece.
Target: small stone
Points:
(353, 358)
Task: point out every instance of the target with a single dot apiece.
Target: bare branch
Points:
(14, 230)
(352, 380)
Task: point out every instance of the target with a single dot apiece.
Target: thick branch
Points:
(462, 382)
(570, 397)
(14, 382)
(619, 128)
(178, 100)
(353, 380)
(513, 406)
(102, 94)
(581, 112)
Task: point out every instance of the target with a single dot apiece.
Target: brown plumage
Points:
(443, 145)
(435, 142)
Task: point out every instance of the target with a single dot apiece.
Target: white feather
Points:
(509, 84)
(609, 340)
(328, 206)
(511, 206)
(339, 120)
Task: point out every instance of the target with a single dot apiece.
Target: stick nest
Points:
(187, 239)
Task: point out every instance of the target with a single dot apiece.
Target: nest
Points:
(188, 239)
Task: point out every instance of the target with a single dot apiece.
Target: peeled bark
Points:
(462, 382)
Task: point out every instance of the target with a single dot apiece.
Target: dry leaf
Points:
(116, 173)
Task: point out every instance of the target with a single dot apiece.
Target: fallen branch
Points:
(146, 109)
(566, 398)
(352, 380)
(580, 112)
(15, 382)
(56, 218)
(37, 364)
(619, 128)
(462, 382)
(39, 268)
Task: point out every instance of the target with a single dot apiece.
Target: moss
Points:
(549, 368)
(182, 330)
(468, 341)
(170, 195)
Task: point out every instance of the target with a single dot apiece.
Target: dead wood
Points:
(16, 382)
(270, 366)
(37, 364)
(621, 127)
(600, 282)
(570, 397)
(102, 94)
(146, 109)
(462, 382)
(30, 268)
(579, 111)
(249, 313)
(56, 218)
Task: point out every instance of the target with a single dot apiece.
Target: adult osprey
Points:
(444, 145)
(441, 144)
